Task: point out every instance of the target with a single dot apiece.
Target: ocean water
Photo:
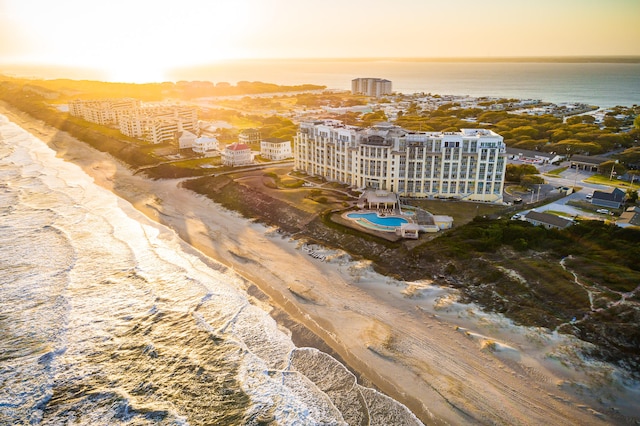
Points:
(106, 319)
(604, 84)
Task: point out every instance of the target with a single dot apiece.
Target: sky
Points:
(137, 40)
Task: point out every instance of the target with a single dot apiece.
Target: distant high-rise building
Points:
(371, 87)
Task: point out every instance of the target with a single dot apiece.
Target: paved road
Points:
(569, 178)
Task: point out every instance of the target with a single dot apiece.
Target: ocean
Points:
(601, 83)
(106, 317)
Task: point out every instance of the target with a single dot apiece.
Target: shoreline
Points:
(417, 356)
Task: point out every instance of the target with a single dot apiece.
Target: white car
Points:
(603, 211)
(589, 196)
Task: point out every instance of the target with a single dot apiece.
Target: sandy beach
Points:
(447, 362)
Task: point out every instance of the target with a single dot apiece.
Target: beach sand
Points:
(447, 362)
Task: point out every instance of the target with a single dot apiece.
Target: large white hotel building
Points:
(468, 165)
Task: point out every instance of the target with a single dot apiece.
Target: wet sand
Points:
(449, 363)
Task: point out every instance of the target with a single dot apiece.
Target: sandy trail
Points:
(450, 364)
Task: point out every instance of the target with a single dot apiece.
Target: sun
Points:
(135, 41)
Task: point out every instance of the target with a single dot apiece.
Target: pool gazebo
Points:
(379, 200)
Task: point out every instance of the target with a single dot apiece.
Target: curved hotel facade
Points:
(468, 165)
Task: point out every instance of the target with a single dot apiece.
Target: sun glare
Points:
(147, 42)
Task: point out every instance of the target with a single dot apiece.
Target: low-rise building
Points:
(587, 162)
(275, 149)
(250, 137)
(547, 220)
(237, 154)
(631, 217)
(206, 146)
(610, 197)
(185, 139)
(533, 157)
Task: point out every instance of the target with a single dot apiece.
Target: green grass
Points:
(604, 180)
(461, 211)
(556, 172)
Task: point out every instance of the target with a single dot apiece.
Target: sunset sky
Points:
(138, 39)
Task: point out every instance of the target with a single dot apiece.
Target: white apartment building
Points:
(102, 111)
(159, 124)
(276, 149)
(371, 87)
(468, 165)
(237, 154)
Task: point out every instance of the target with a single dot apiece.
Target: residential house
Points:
(250, 137)
(185, 139)
(205, 146)
(611, 197)
(276, 149)
(631, 217)
(237, 154)
(547, 220)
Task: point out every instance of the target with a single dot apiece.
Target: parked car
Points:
(602, 211)
(589, 196)
(517, 201)
(516, 216)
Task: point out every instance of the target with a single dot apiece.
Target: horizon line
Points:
(538, 58)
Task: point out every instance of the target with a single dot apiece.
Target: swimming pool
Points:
(390, 222)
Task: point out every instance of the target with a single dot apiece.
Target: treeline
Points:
(578, 135)
(272, 126)
(64, 89)
(199, 89)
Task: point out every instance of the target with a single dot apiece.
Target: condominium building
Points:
(468, 165)
(102, 111)
(155, 124)
(371, 87)
(159, 124)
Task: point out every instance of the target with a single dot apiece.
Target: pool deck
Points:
(363, 222)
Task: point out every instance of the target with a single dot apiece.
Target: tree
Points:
(516, 172)
(611, 168)
(529, 180)
(632, 196)
(636, 122)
